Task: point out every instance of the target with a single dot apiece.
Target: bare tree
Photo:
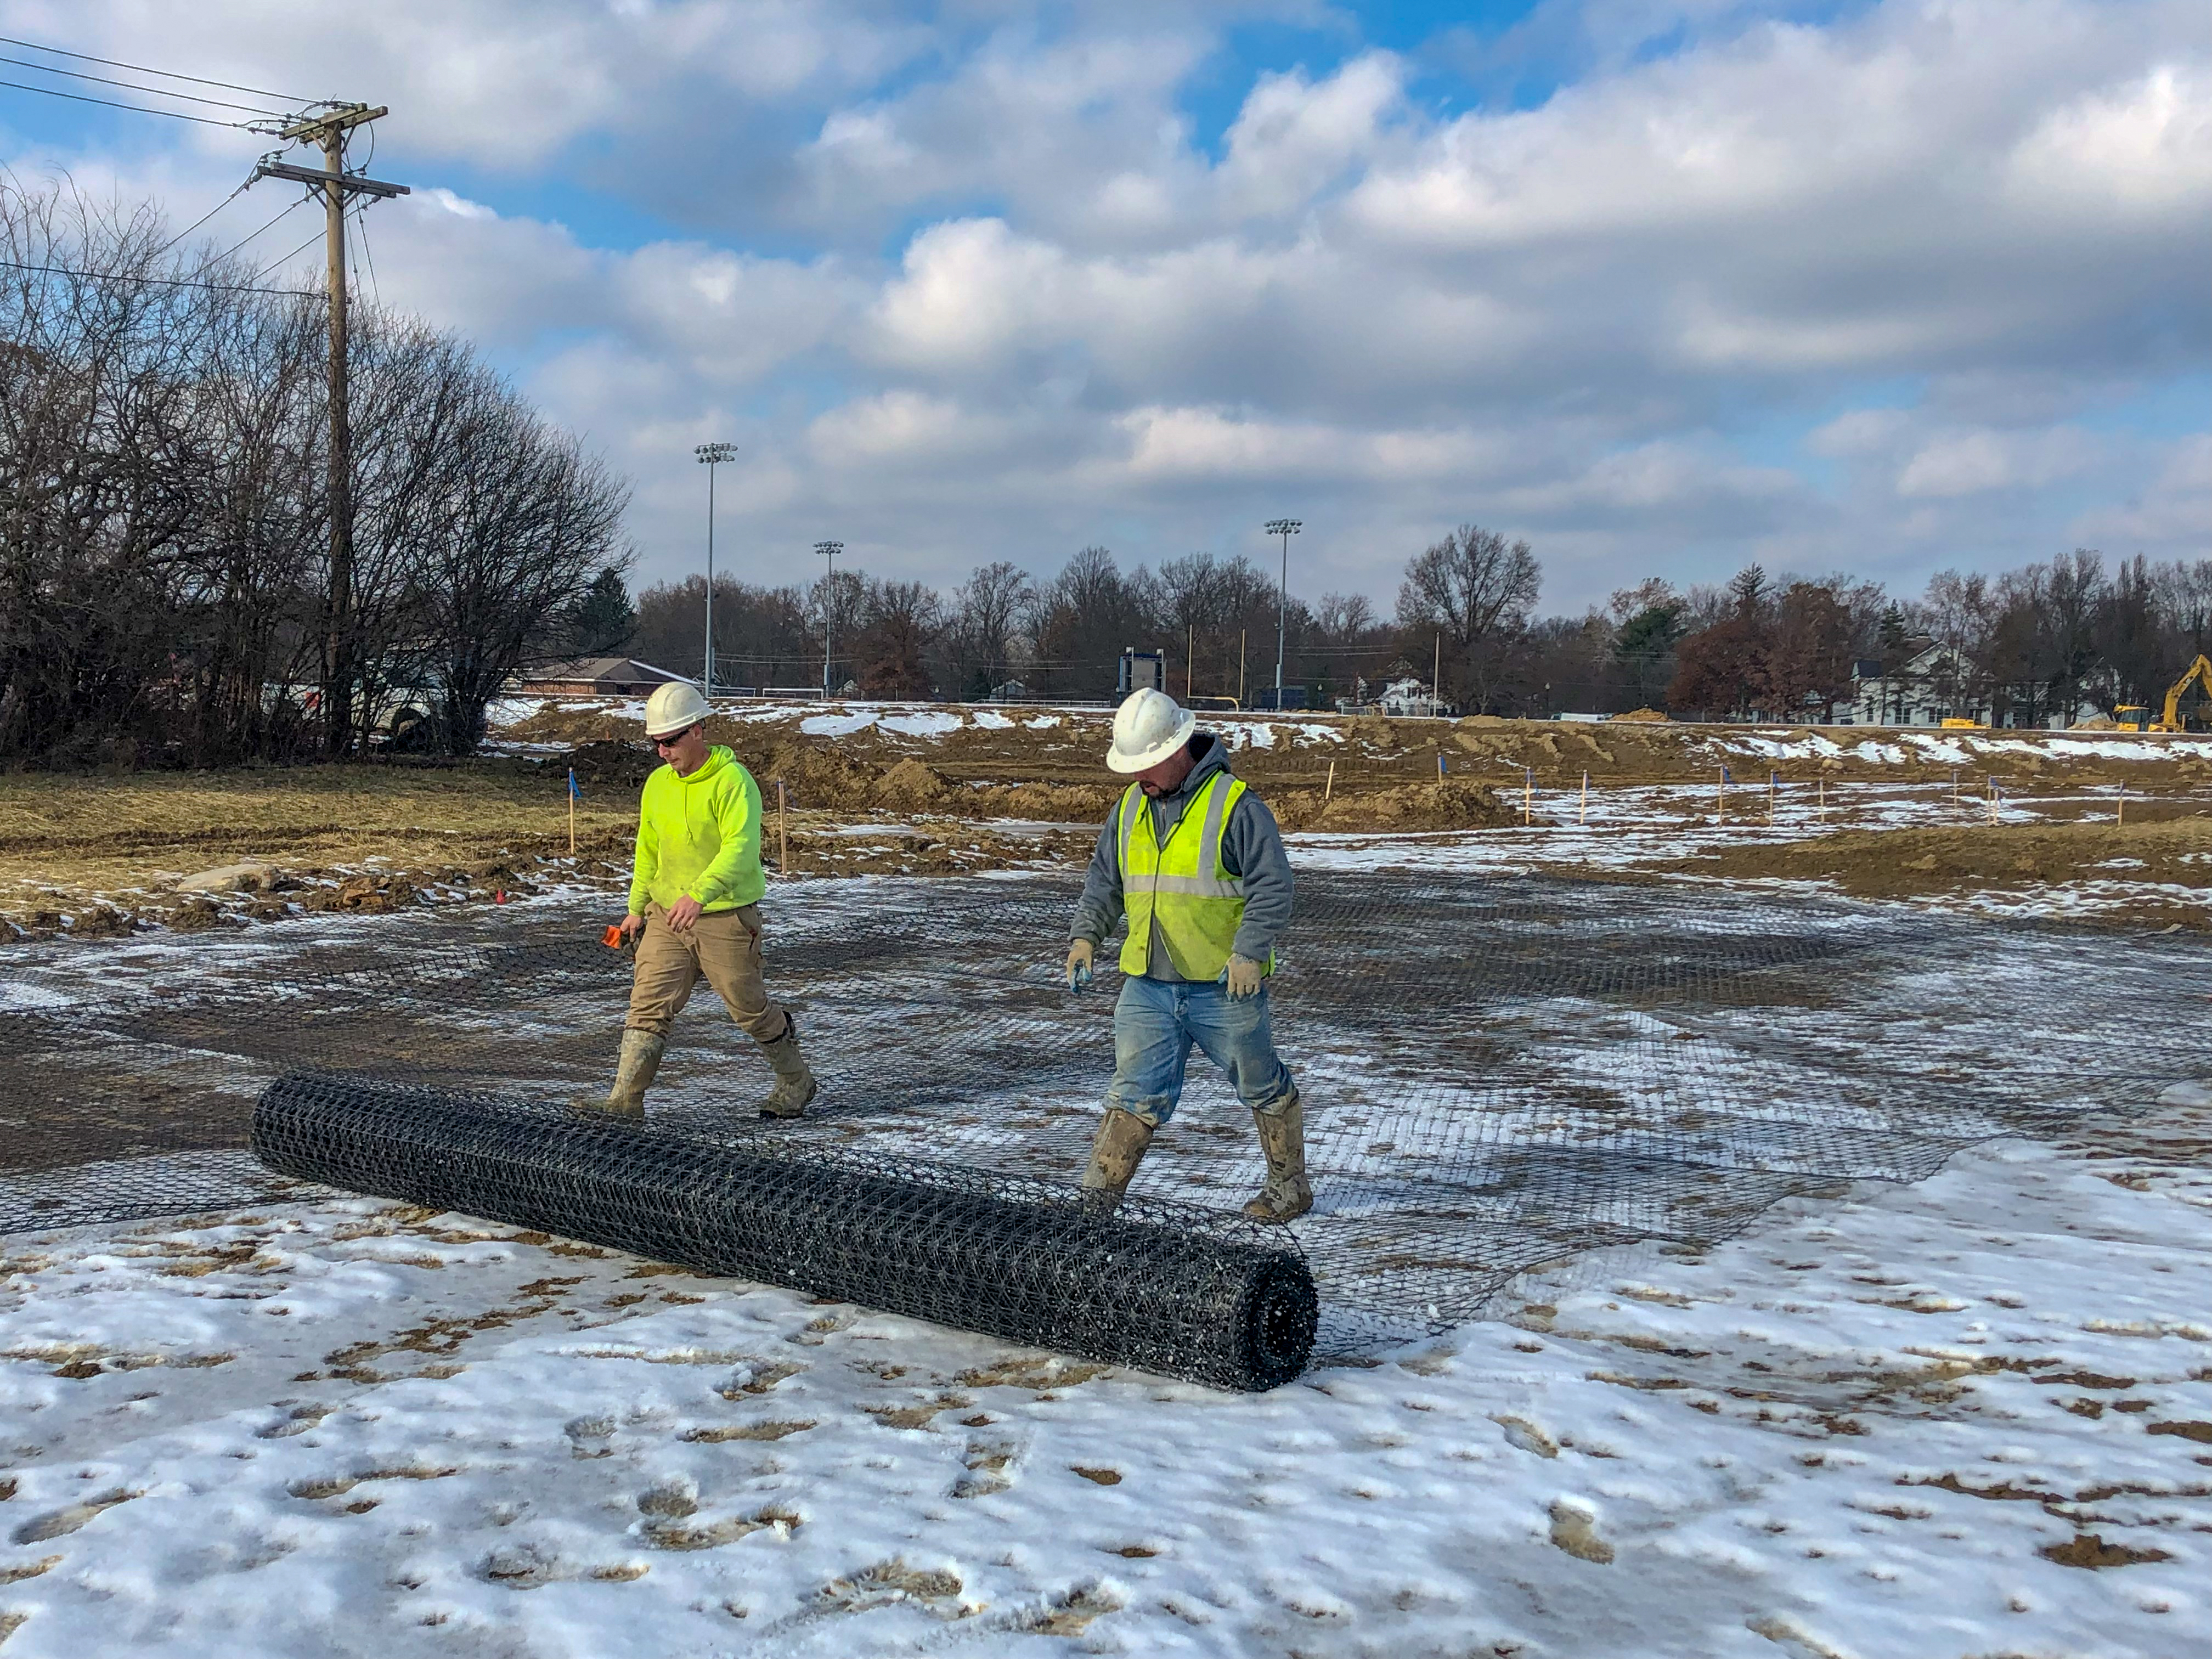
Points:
(1082, 621)
(836, 606)
(1475, 589)
(891, 657)
(2184, 599)
(162, 521)
(986, 614)
(524, 522)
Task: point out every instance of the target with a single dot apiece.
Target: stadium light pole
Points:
(828, 551)
(710, 457)
(1285, 528)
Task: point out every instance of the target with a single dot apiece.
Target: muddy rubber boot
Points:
(634, 1073)
(1287, 1193)
(1120, 1146)
(794, 1081)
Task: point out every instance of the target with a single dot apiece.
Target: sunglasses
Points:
(674, 738)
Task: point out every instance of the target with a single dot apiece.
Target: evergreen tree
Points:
(605, 619)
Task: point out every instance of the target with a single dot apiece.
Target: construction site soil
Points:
(923, 789)
(1909, 863)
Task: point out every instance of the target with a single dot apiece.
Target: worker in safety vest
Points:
(1194, 860)
(695, 909)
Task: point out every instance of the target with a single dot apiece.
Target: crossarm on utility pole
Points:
(350, 184)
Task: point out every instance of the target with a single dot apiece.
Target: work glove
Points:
(1079, 953)
(1243, 978)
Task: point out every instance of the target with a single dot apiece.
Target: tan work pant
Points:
(724, 949)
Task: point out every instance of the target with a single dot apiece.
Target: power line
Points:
(133, 86)
(167, 281)
(203, 219)
(290, 208)
(141, 69)
(142, 109)
(280, 260)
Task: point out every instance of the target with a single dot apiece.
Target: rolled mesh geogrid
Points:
(1499, 1072)
(1164, 1287)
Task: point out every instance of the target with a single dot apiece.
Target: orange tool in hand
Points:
(613, 937)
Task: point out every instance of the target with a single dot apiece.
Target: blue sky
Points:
(1664, 285)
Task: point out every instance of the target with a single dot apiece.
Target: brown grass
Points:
(63, 837)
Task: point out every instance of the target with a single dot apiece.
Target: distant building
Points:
(1937, 683)
(1927, 688)
(1404, 697)
(597, 677)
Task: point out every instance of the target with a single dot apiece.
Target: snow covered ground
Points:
(1970, 1416)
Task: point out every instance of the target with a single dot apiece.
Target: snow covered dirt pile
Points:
(1018, 742)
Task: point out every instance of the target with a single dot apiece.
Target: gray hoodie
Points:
(1251, 847)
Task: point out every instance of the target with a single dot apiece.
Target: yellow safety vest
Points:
(1183, 889)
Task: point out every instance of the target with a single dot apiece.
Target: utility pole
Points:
(1285, 528)
(336, 186)
(710, 457)
(828, 551)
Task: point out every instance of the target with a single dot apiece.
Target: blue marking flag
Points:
(574, 793)
(1725, 778)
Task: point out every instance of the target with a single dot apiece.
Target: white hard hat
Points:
(672, 707)
(1149, 727)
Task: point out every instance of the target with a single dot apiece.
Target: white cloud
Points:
(1964, 464)
(2145, 146)
(965, 284)
(1294, 139)
(1971, 462)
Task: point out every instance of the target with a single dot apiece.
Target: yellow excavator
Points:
(2135, 717)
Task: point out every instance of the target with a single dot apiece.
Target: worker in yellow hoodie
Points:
(695, 909)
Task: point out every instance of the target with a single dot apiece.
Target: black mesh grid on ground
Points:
(1499, 1072)
(1165, 1287)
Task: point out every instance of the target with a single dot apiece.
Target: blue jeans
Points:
(1155, 1023)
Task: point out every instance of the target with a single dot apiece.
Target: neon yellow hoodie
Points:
(700, 835)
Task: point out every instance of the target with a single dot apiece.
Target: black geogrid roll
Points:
(1169, 1288)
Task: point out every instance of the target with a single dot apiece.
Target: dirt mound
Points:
(1047, 803)
(1641, 716)
(818, 778)
(1376, 733)
(1415, 807)
(578, 726)
(608, 764)
(911, 787)
(1904, 863)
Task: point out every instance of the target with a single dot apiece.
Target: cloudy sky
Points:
(1664, 285)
